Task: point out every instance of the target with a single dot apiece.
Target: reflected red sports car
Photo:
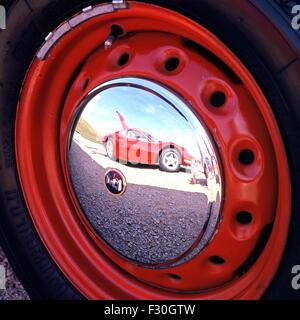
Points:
(136, 146)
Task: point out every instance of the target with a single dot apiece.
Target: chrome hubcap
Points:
(161, 218)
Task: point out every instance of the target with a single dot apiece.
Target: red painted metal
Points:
(45, 115)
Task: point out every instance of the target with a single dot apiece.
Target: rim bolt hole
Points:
(85, 84)
(246, 157)
(218, 99)
(123, 59)
(116, 30)
(172, 64)
(174, 276)
(244, 217)
(217, 260)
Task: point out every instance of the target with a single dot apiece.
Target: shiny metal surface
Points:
(171, 204)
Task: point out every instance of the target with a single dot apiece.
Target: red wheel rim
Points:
(244, 122)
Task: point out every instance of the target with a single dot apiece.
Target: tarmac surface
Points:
(13, 288)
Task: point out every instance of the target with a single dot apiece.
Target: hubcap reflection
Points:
(146, 132)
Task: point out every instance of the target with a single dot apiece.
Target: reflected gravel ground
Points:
(14, 290)
(147, 224)
(129, 229)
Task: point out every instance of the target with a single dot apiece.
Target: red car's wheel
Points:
(110, 148)
(181, 64)
(169, 160)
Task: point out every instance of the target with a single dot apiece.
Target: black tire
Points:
(176, 156)
(272, 57)
(110, 154)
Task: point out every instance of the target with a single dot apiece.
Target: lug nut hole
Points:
(172, 64)
(218, 99)
(246, 157)
(218, 96)
(116, 30)
(217, 260)
(123, 60)
(85, 84)
(174, 276)
(244, 217)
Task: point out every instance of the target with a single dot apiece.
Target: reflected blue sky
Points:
(142, 110)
